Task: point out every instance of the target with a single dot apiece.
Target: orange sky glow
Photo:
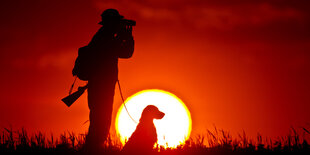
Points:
(237, 65)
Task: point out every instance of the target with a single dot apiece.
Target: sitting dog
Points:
(145, 135)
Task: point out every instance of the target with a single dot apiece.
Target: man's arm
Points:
(126, 44)
(126, 49)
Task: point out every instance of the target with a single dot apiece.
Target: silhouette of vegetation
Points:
(214, 142)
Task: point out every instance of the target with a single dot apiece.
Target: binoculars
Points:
(128, 22)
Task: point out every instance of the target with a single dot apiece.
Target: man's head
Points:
(110, 19)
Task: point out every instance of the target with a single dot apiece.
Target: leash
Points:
(120, 91)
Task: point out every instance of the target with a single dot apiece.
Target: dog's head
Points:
(151, 112)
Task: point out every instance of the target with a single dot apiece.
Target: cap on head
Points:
(109, 15)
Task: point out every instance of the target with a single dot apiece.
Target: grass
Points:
(213, 142)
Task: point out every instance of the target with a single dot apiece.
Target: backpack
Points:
(82, 67)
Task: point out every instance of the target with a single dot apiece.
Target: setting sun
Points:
(172, 130)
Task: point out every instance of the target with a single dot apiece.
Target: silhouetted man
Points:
(112, 41)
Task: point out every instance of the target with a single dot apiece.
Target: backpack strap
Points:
(70, 91)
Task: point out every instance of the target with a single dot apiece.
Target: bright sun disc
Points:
(172, 130)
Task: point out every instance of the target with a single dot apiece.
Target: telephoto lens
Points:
(128, 22)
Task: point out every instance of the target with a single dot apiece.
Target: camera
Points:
(128, 22)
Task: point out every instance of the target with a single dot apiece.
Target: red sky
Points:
(238, 65)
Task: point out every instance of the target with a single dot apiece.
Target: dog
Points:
(145, 136)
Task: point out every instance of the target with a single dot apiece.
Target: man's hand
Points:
(125, 34)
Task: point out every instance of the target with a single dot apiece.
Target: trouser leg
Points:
(100, 102)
